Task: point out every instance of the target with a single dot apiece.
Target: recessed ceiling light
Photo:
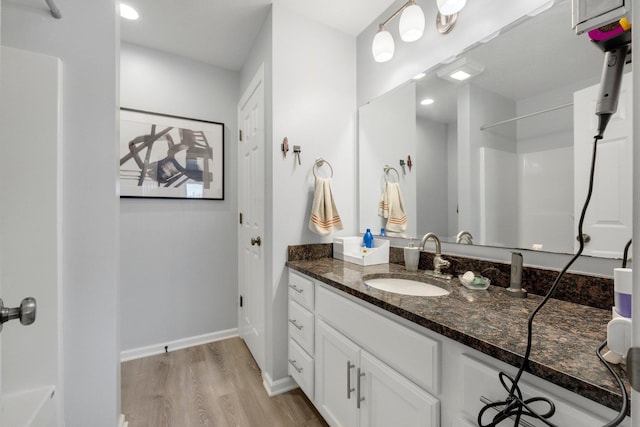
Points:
(427, 101)
(460, 75)
(419, 76)
(127, 12)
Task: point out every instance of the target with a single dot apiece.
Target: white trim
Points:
(280, 386)
(151, 350)
(122, 422)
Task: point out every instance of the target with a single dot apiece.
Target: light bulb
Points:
(382, 47)
(449, 7)
(127, 12)
(411, 23)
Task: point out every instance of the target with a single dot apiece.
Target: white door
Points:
(609, 217)
(30, 235)
(251, 239)
(392, 400)
(337, 367)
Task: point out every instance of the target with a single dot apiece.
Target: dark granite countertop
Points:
(565, 335)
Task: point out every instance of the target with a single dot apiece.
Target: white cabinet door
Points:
(336, 364)
(389, 399)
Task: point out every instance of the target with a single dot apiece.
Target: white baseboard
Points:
(152, 350)
(280, 386)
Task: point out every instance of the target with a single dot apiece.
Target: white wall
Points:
(178, 257)
(433, 176)
(387, 133)
(314, 92)
(85, 40)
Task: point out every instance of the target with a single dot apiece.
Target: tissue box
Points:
(350, 249)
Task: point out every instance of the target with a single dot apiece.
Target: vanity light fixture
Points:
(419, 76)
(128, 12)
(460, 70)
(427, 101)
(411, 29)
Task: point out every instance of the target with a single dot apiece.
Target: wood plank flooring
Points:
(217, 384)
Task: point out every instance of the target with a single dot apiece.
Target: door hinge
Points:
(240, 217)
(240, 132)
(241, 301)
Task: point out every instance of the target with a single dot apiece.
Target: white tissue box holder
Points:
(350, 249)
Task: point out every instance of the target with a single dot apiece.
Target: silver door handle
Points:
(585, 238)
(350, 366)
(255, 241)
(358, 397)
(26, 312)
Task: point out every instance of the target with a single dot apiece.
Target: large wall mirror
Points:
(504, 154)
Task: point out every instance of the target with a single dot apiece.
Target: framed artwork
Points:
(173, 157)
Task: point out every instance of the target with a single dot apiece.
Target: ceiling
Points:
(534, 57)
(221, 32)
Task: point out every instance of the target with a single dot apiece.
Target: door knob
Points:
(585, 238)
(255, 241)
(26, 312)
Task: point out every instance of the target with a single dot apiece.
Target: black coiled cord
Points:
(514, 405)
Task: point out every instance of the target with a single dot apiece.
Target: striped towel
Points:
(392, 207)
(324, 218)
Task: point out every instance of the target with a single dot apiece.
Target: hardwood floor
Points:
(217, 384)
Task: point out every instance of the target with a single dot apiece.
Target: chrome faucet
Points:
(438, 261)
(466, 236)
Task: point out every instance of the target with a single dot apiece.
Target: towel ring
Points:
(319, 162)
(387, 169)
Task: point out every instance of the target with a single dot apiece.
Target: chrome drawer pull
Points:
(293, 363)
(349, 388)
(358, 397)
(297, 289)
(294, 323)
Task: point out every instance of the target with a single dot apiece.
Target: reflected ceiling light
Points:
(460, 70)
(411, 29)
(427, 101)
(450, 7)
(419, 76)
(127, 12)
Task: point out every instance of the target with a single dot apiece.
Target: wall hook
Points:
(409, 163)
(296, 152)
(404, 171)
(284, 147)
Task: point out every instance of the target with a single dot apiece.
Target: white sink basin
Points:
(406, 287)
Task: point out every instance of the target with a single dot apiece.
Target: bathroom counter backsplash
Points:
(566, 334)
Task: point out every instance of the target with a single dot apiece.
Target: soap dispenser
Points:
(411, 256)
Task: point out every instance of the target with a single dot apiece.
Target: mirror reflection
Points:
(503, 154)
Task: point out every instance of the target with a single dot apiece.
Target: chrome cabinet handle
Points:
(358, 396)
(293, 363)
(297, 289)
(256, 241)
(26, 312)
(294, 323)
(349, 388)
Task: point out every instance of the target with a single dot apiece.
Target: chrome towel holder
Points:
(319, 163)
(388, 169)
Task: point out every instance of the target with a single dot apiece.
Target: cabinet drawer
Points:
(301, 289)
(481, 381)
(414, 355)
(301, 326)
(301, 368)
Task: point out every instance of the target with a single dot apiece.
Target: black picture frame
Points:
(170, 157)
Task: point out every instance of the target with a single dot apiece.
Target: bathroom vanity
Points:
(364, 356)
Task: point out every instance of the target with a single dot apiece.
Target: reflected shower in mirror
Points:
(501, 154)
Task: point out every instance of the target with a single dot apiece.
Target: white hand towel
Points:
(392, 207)
(324, 218)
